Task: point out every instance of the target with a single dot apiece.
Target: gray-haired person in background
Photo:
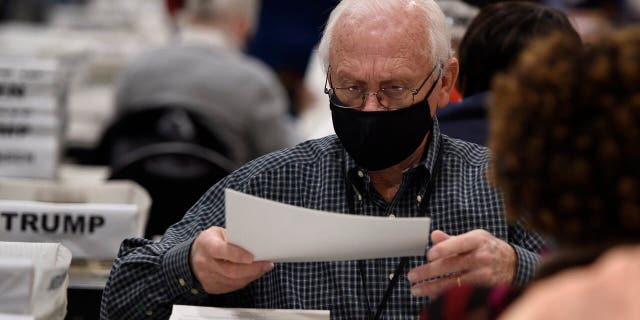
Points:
(205, 72)
(389, 67)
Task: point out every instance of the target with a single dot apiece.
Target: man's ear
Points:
(448, 82)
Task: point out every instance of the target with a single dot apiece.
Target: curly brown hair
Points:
(565, 133)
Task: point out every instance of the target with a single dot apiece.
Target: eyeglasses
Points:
(389, 97)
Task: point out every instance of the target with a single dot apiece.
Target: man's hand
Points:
(222, 267)
(475, 257)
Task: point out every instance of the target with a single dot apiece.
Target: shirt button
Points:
(149, 313)
(392, 216)
(195, 291)
(182, 282)
(391, 275)
(419, 198)
(360, 173)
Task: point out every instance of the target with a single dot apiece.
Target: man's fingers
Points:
(456, 245)
(431, 270)
(480, 257)
(219, 280)
(241, 271)
(239, 282)
(216, 247)
(230, 252)
(221, 266)
(220, 284)
(434, 288)
(438, 236)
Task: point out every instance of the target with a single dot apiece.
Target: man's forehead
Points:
(393, 40)
(397, 25)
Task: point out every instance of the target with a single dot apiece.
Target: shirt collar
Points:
(428, 161)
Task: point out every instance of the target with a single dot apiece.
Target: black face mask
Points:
(380, 139)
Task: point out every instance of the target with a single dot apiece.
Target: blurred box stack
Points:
(30, 117)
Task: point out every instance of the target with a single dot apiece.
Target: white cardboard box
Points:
(47, 295)
(16, 281)
(90, 219)
(31, 122)
(28, 76)
(29, 156)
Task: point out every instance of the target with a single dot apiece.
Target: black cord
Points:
(390, 287)
(363, 277)
(403, 262)
(361, 268)
(387, 294)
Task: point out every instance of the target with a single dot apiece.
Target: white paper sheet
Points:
(206, 313)
(282, 233)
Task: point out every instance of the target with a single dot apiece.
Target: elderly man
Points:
(389, 66)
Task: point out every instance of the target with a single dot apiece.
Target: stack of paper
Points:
(205, 313)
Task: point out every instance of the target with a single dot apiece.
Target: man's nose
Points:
(371, 102)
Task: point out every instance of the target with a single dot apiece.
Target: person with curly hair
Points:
(565, 139)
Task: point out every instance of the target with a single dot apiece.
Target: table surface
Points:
(89, 274)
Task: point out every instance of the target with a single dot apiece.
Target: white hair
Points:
(433, 23)
(209, 10)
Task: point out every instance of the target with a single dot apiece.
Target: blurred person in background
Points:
(286, 35)
(594, 17)
(459, 15)
(590, 17)
(608, 289)
(565, 136)
(31, 11)
(491, 44)
(205, 72)
(389, 66)
(483, 3)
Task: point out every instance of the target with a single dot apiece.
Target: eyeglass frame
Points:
(332, 93)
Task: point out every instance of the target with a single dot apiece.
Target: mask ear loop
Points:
(414, 92)
(433, 86)
(328, 82)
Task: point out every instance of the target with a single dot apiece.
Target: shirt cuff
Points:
(527, 263)
(177, 272)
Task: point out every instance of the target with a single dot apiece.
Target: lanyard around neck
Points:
(422, 211)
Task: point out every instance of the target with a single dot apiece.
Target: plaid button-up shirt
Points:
(148, 278)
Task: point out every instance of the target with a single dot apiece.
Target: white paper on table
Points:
(283, 233)
(208, 313)
(6, 316)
